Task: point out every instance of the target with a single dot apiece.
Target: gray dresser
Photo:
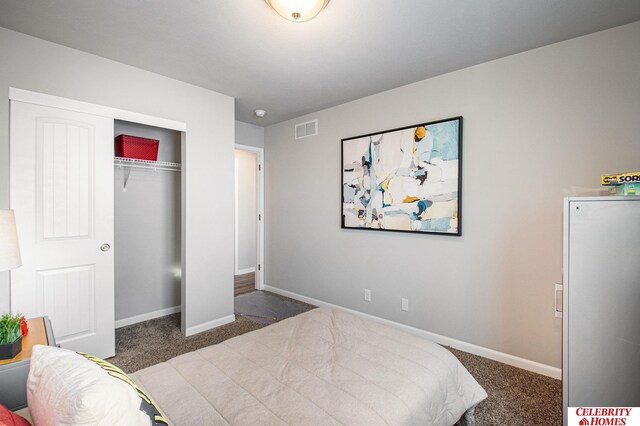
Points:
(601, 301)
(14, 372)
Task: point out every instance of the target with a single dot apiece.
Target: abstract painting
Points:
(406, 179)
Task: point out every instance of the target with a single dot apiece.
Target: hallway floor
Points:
(245, 283)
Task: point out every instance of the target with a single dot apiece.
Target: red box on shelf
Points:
(128, 146)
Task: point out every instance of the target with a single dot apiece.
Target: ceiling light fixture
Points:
(260, 113)
(298, 10)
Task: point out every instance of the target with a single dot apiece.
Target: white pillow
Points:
(69, 388)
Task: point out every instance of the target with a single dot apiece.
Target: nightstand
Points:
(14, 371)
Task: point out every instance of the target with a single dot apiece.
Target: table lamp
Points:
(10, 325)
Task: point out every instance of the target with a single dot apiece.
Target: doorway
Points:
(249, 219)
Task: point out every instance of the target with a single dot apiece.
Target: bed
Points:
(325, 366)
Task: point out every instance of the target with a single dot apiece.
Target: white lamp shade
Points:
(297, 10)
(9, 249)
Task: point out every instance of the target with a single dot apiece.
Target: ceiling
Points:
(354, 48)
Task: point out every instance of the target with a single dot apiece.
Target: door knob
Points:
(105, 247)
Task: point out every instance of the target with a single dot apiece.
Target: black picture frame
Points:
(344, 169)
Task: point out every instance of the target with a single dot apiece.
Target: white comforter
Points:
(321, 367)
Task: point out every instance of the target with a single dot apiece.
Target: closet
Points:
(100, 237)
(147, 220)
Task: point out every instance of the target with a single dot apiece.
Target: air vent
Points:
(304, 130)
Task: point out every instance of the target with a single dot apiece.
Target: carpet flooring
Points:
(266, 308)
(158, 340)
(151, 342)
(516, 396)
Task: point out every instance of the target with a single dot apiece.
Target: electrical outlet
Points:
(405, 305)
(367, 295)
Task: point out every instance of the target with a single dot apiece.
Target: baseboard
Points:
(245, 270)
(148, 316)
(190, 331)
(502, 357)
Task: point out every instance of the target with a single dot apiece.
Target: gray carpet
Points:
(151, 342)
(266, 308)
(516, 397)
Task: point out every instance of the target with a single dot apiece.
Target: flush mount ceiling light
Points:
(298, 10)
(260, 113)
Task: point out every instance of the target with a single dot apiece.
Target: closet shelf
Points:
(134, 163)
(146, 164)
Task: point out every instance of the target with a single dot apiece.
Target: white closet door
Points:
(62, 193)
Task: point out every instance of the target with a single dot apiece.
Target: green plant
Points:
(10, 330)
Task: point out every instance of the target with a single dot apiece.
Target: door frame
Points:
(259, 282)
(27, 96)
(30, 97)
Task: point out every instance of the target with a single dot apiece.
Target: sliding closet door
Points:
(62, 193)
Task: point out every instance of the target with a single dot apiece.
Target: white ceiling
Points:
(354, 48)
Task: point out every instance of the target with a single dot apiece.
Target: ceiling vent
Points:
(309, 128)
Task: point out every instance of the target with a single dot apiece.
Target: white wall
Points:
(536, 124)
(33, 64)
(147, 229)
(247, 210)
(249, 134)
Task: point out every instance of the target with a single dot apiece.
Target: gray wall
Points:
(147, 229)
(33, 64)
(247, 208)
(249, 134)
(536, 124)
